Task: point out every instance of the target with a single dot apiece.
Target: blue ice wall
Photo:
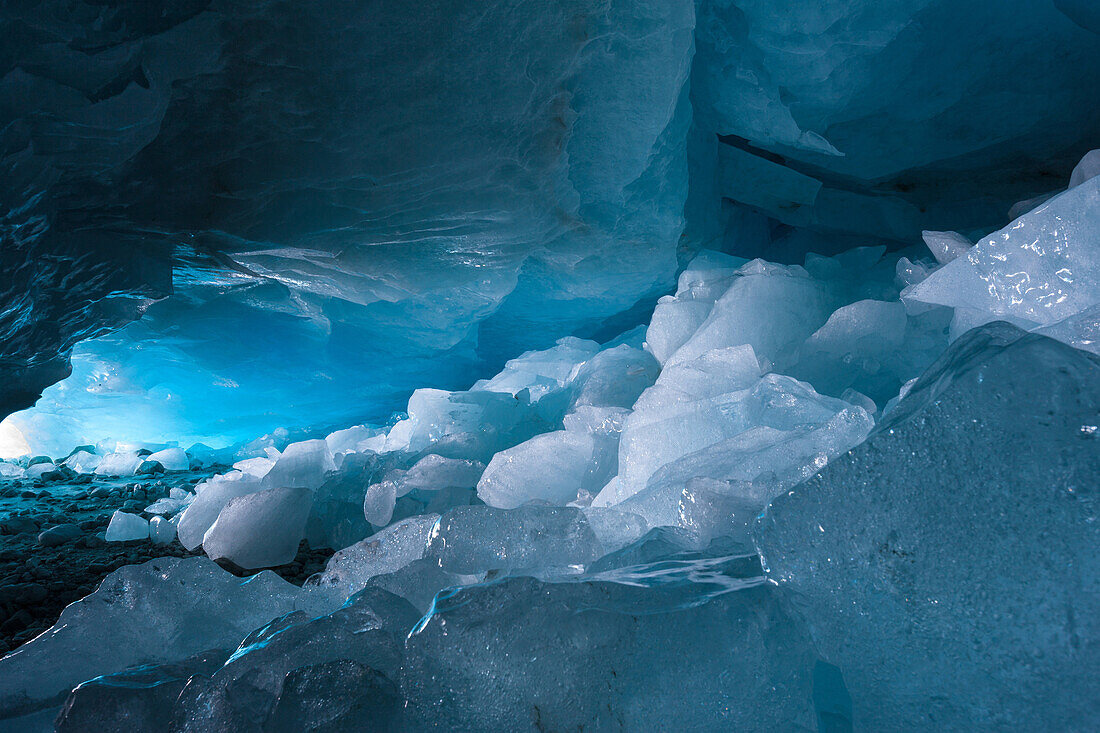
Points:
(347, 200)
(359, 200)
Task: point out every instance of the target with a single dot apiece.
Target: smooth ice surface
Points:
(173, 459)
(301, 465)
(163, 610)
(557, 467)
(260, 530)
(948, 564)
(560, 656)
(468, 540)
(125, 527)
(386, 551)
(210, 497)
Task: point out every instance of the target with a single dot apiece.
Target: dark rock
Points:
(101, 493)
(59, 535)
(18, 525)
(133, 506)
(29, 594)
(21, 619)
(28, 494)
(149, 468)
(39, 459)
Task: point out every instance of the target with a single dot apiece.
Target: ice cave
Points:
(549, 365)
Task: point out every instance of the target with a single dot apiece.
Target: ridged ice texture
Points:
(391, 199)
(948, 565)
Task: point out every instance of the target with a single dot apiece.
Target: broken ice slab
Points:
(122, 463)
(173, 459)
(369, 630)
(161, 611)
(474, 539)
(1041, 269)
(125, 527)
(210, 497)
(556, 467)
(948, 565)
(386, 551)
(564, 656)
(302, 465)
(260, 530)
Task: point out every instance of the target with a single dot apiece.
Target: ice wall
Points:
(347, 201)
(357, 200)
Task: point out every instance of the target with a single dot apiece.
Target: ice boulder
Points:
(386, 551)
(676, 318)
(302, 465)
(615, 377)
(522, 654)
(83, 461)
(433, 473)
(946, 246)
(1041, 269)
(557, 467)
(161, 531)
(10, 470)
(161, 611)
(472, 425)
(260, 530)
(350, 439)
(264, 680)
(1086, 170)
(721, 488)
(474, 539)
(125, 527)
(38, 470)
(210, 497)
(173, 459)
(544, 374)
(948, 565)
(670, 425)
(121, 463)
(770, 307)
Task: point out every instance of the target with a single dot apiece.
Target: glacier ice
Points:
(161, 611)
(304, 241)
(125, 527)
(386, 551)
(1039, 270)
(261, 529)
(173, 459)
(477, 539)
(947, 564)
(210, 497)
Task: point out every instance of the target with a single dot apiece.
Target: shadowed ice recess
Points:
(636, 365)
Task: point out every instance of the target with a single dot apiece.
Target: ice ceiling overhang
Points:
(346, 200)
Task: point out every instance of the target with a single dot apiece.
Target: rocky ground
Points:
(52, 550)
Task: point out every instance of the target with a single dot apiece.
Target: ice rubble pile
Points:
(589, 516)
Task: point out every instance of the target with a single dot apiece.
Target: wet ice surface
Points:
(800, 492)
